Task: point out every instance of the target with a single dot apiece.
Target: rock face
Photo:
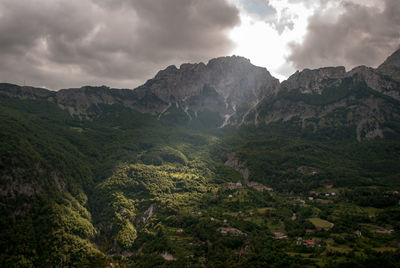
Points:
(363, 99)
(234, 162)
(391, 66)
(229, 86)
(375, 80)
(81, 101)
(25, 92)
(314, 81)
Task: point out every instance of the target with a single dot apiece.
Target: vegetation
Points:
(133, 189)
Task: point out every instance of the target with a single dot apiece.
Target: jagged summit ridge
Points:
(228, 75)
(234, 81)
(313, 81)
(384, 79)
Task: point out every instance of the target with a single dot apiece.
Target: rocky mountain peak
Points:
(230, 61)
(391, 66)
(233, 79)
(167, 71)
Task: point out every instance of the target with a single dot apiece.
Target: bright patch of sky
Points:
(267, 28)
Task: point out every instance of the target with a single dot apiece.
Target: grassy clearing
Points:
(338, 249)
(320, 223)
(383, 249)
(276, 226)
(371, 211)
(263, 210)
(232, 214)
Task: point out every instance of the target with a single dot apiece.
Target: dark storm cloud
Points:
(121, 43)
(361, 35)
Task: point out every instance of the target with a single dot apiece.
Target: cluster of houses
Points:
(279, 235)
(234, 185)
(232, 231)
(258, 186)
(197, 213)
(251, 184)
(298, 199)
(307, 242)
(313, 195)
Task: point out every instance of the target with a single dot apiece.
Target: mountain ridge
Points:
(229, 89)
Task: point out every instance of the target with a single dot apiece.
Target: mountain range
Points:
(204, 165)
(236, 92)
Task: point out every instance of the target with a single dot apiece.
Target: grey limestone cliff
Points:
(232, 86)
(391, 66)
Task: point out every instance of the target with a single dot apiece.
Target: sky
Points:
(121, 43)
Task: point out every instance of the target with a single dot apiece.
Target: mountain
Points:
(226, 88)
(215, 165)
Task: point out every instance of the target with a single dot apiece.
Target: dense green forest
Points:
(134, 189)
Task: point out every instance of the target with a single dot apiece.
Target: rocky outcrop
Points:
(24, 92)
(314, 81)
(391, 66)
(234, 162)
(12, 188)
(148, 213)
(81, 101)
(375, 80)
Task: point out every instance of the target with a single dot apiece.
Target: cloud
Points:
(285, 21)
(355, 34)
(307, 3)
(259, 8)
(263, 10)
(115, 42)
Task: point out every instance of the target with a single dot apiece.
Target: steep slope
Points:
(44, 180)
(391, 66)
